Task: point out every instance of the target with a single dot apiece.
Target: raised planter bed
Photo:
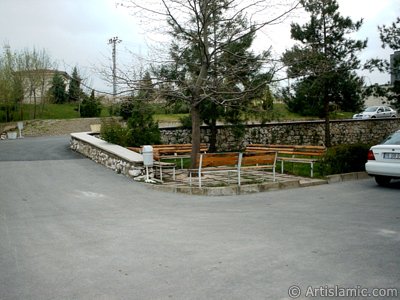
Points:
(115, 157)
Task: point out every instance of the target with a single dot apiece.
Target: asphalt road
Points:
(71, 229)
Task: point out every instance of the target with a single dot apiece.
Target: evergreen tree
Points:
(143, 130)
(57, 90)
(146, 89)
(219, 76)
(390, 37)
(324, 61)
(74, 91)
(90, 106)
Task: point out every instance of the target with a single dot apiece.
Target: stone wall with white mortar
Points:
(299, 133)
(111, 161)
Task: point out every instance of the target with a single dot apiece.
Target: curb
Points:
(257, 188)
(236, 190)
(347, 177)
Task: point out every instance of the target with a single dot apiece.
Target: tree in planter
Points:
(143, 130)
(90, 106)
(140, 128)
(324, 60)
(209, 28)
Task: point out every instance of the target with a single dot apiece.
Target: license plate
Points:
(391, 155)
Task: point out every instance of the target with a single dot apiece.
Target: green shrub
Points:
(140, 130)
(90, 106)
(344, 159)
(113, 132)
(143, 130)
(186, 121)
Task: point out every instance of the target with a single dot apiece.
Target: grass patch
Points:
(52, 111)
(300, 169)
(168, 117)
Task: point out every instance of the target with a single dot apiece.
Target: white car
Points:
(376, 112)
(384, 160)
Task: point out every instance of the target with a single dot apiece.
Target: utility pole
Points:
(113, 41)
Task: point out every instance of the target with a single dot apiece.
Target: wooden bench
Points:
(292, 153)
(233, 162)
(168, 152)
(172, 151)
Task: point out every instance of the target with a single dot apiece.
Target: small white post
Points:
(20, 125)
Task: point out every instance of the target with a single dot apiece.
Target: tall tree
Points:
(58, 89)
(34, 66)
(11, 89)
(74, 90)
(390, 37)
(203, 32)
(325, 58)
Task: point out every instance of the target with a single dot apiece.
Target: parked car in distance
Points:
(376, 112)
(384, 160)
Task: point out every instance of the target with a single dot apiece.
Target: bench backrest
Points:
(217, 159)
(288, 149)
(259, 158)
(171, 148)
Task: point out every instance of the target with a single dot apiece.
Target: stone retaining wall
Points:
(121, 164)
(299, 133)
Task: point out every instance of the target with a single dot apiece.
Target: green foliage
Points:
(74, 91)
(344, 159)
(186, 121)
(90, 106)
(113, 132)
(11, 88)
(390, 35)
(143, 130)
(126, 108)
(57, 89)
(324, 61)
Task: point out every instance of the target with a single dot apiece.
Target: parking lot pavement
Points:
(71, 229)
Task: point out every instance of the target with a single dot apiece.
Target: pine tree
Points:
(218, 75)
(390, 37)
(143, 130)
(325, 59)
(57, 90)
(90, 106)
(74, 91)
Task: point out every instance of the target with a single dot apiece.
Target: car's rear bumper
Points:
(374, 167)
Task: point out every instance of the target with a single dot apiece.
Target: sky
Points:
(77, 32)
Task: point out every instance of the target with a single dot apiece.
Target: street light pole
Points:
(113, 41)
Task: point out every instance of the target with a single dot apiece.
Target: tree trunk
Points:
(34, 104)
(213, 136)
(327, 122)
(195, 114)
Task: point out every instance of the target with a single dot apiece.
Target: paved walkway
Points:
(71, 229)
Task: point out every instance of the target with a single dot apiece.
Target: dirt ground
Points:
(51, 127)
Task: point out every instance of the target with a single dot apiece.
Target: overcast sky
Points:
(76, 32)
